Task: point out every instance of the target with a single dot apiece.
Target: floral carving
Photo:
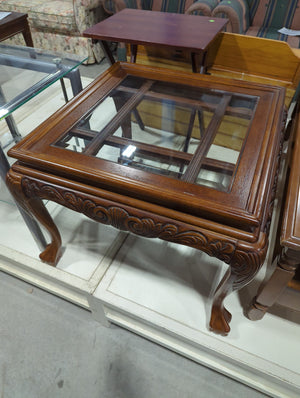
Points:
(244, 260)
(150, 227)
(244, 263)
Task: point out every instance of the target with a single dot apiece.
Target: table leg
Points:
(195, 62)
(13, 128)
(243, 266)
(220, 317)
(75, 80)
(126, 123)
(285, 270)
(191, 125)
(199, 62)
(27, 35)
(10, 121)
(195, 67)
(107, 52)
(138, 119)
(133, 52)
(30, 222)
(33, 205)
(189, 131)
(203, 66)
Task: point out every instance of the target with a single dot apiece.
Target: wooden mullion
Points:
(178, 156)
(211, 164)
(122, 113)
(193, 104)
(148, 148)
(194, 167)
(216, 165)
(84, 134)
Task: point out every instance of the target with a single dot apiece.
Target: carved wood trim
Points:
(244, 263)
(129, 219)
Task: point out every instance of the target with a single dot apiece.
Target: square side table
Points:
(211, 188)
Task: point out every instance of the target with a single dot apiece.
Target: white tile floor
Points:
(170, 287)
(157, 289)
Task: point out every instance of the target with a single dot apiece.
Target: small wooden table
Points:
(178, 31)
(288, 262)
(13, 24)
(211, 188)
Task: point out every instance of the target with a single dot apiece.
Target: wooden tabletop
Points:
(191, 32)
(13, 16)
(13, 24)
(240, 206)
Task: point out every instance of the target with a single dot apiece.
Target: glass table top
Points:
(26, 71)
(192, 134)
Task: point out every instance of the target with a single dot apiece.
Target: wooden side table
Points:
(199, 191)
(289, 259)
(153, 28)
(13, 24)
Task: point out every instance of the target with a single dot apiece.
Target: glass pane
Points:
(222, 157)
(192, 134)
(26, 71)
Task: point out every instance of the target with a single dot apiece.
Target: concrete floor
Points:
(52, 348)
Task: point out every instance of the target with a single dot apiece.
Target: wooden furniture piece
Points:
(178, 31)
(13, 24)
(288, 261)
(255, 59)
(199, 7)
(89, 156)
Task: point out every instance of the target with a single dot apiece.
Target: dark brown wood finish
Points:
(189, 32)
(232, 225)
(193, 33)
(13, 24)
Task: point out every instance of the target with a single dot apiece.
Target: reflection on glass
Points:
(26, 71)
(192, 134)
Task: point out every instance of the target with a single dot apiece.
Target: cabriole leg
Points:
(220, 316)
(34, 206)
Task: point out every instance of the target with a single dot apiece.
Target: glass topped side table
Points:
(39, 69)
(209, 184)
